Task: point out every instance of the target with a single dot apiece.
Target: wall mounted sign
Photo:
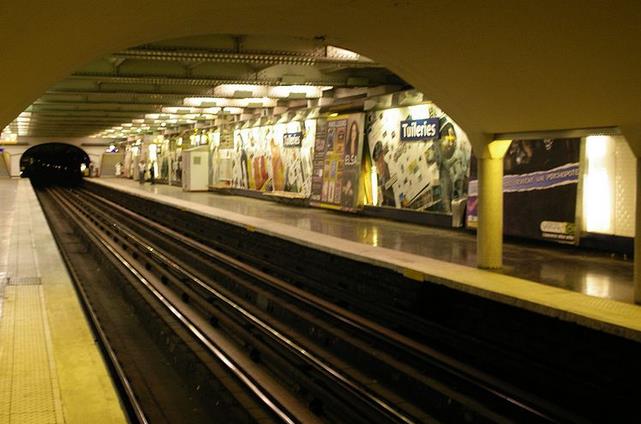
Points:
(293, 139)
(420, 129)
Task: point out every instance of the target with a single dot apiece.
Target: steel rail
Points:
(245, 378)
(493, 386)
(132, 400)
(358, 391)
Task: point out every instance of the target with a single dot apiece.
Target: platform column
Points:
(489, 236)
(637, 238)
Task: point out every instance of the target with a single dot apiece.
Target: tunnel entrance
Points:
(54, 164)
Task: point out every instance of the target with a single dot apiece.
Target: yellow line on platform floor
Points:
(51, 370)
(28, 382)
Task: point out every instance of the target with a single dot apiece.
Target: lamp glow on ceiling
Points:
(170, 117)
(273, 91)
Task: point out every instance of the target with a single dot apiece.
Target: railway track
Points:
(300, 357)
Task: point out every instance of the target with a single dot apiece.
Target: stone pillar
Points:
(637, 238)
(489, 236)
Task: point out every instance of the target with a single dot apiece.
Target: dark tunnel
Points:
(54, 164)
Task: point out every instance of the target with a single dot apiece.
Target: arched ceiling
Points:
(172, 82)
(494, 66)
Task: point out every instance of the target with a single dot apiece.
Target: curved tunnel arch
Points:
(492, 68)
(495, 68)
(54, 163)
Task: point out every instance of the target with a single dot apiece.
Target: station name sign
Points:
(420, 129)
(294, 139)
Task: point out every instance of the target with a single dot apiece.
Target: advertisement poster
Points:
(261, 161)
(540, 187)
(421, 158)
(226, 137)
(252, 165)
(221, 161)
(297, 144)
(337, 162)
(318, 160)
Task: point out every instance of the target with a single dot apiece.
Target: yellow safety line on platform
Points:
(27, 380)
(87, 391)
(51, 370)
(413, 274)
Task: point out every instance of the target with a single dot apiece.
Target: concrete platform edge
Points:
(614, 317)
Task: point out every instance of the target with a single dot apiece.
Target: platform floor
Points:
(591, 273)
(51, 370)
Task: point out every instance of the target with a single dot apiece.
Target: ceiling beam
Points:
(257, 57)
(196, 80)
(38, 116)
(86, 112)
(94, 128)
(67, 129)
(42, 101)
(85, 118)
(73, 123)
(134, 95)
(131, 92)
(52, 133)
(167, 79)
(110, 103)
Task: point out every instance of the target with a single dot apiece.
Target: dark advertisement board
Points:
(294, 139)
(337, 162)
(539, 189)
(420, 129)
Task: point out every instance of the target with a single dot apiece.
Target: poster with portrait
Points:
(337, 162)
(252, 162)
(260, 160)
(296, 144)
(540, 185)
(421, 158)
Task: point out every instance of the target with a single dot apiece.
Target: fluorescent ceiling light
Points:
(211, 102)
(260, 91)
(180, 110)
(233, 110)
(199, 101)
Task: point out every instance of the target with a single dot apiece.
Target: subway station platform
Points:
(51, 370)
(589, 288)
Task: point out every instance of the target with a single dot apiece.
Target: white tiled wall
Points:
(625, 189)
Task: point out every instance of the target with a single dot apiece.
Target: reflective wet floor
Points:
(593, 273)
